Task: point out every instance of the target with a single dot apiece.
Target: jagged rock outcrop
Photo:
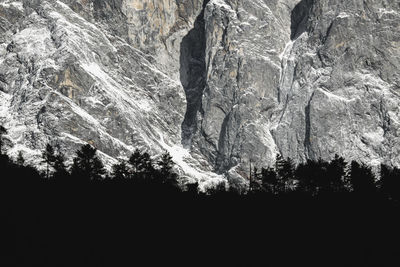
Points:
(218, 83)
(345, 65)
(307, 79)
(244, 42)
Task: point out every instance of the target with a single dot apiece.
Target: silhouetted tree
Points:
(218, 190)
(146, 168)
(362, 179)
(256, 181)
(322, 179)
(48, 158)
(336, 172)
(390, 182)
(142, 165)
(135, 161)
(60, 168)
(285, 171)
(120, 170)
(269, 180)
(192, 189)
(3, 131)
(289, 171)
(307, 175)
(166, 164)
(87, 164)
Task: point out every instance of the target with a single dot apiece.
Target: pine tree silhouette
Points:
(192, 189)
(269, 180)
(60, 168)
(362, 179)
(390, 182)
(321, 175)
(336, 172)
(146, 168)
(48, 158)
(256, 180)
(87, 164)
(121, 171)
(135, 161)
(285, 170)
(166, 164)
(307, 175)
(141, 165)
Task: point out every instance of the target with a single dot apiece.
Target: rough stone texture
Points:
(245, 42)
(72, 72)
(233, 81)
(307, 79)
(343, 97)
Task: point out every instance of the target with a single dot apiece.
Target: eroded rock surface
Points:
(307, 79)
(76, 71)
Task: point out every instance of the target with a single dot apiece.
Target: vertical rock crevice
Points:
(300, 17)
(193, 75)
(307, 138)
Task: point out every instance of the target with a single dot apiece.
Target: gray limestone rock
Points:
(306, 79)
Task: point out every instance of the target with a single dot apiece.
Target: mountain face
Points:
(219, 84)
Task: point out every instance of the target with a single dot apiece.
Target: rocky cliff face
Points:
(307, 79)
(102, 72)
(217, 83)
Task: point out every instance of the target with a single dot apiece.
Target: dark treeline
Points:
(335, 178)
(318, 213)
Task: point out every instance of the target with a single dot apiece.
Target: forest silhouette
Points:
(319, 213)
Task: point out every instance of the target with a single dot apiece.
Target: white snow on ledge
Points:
(343, 15)
(180, 155)
(332, 96)
(221, 3)
(384, 11)
(16, 4)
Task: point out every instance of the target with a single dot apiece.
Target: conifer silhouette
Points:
(336, 172)
(308, 175)
(285, 171)
(166, 164)
(390, 182)
(48, 158)
(135, 161)
(146, 168)
(60, 168)
(269, 180)
(362, 179)
(87, 164)
(120, 170)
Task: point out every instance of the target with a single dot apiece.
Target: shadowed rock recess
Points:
(299, 18)
(193, 75)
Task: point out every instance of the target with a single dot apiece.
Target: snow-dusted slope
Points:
(67, 81)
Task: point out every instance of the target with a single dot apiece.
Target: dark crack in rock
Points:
(193, 75)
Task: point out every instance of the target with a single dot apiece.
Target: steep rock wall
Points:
(306, 79)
